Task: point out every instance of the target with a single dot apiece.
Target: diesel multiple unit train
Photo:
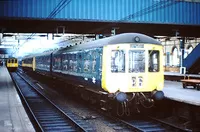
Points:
(12, 64)
(126, 67)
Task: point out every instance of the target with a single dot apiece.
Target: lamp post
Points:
(182, 45)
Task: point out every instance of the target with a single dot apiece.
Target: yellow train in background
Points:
(12, 64)
(127, 67)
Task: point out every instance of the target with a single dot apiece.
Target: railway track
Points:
(46, 115)
(145, 123)
(141, 123)
(149, 124)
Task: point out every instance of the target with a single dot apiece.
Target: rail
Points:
(47, 116)
(145, 124)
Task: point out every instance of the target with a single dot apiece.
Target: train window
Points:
(94, 59)
(48, 62)
(136, 61)
(65, 62)
(153, 61)
(42, 62)
(70, 65)
(79, 63)
(70, 62)
(74, 63)
(87, 61)
(99, 62)
(118, 61)
(57, 63)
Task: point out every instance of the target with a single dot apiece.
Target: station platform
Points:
(181, 75)
(174, 90)
(13, 117)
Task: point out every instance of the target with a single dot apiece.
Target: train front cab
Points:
(132, 69)
(12, 64)
(28, 64)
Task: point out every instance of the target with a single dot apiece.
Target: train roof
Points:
(37, 55)
(43, 54)
(117, 39)
(11, 58)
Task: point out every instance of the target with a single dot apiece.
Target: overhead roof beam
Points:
(191, 0)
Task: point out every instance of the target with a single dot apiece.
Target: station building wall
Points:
(172, 52)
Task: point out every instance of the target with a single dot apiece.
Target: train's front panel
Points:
(12, 63)
(132, 68)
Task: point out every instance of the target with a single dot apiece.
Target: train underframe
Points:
(12, 69)
(119, 103)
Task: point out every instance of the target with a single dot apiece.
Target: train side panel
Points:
(155, 75)
(82, 67)
(113, 81)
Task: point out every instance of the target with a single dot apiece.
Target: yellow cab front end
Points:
(12, 63)
(29, 63)
(133, 68)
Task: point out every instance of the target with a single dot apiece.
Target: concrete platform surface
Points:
(13, 117)
(175, 91)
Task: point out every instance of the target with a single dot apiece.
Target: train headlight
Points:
(121, 97)
(137, 39)
(140, 82)
(133, 81)
(157, 95)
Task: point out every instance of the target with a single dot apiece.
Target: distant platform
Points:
(13, 117)
(173, 73)
(175, 91)
(178, 74)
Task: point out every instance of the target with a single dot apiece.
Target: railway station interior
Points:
(99, 65)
